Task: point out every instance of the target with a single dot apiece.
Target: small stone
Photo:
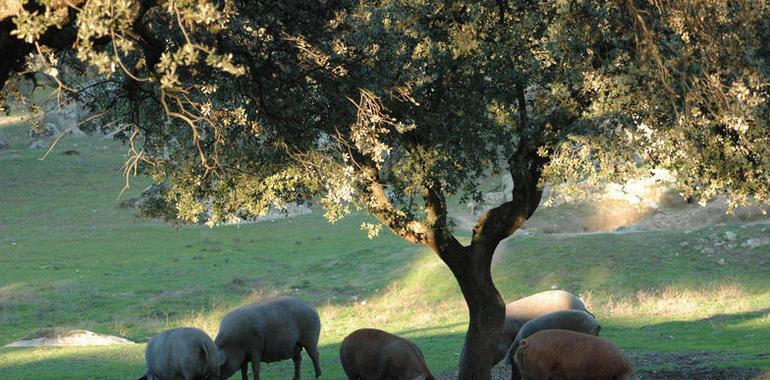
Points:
(684, 244)
(721, 261)
(730, 236)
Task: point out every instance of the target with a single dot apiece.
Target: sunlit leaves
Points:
(30, 25)
(244, 106)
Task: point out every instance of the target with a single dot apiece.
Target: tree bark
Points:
(471, 267)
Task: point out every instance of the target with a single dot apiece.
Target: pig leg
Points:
(297, 361)
(256, 357)
(245, 370)
(313, 352)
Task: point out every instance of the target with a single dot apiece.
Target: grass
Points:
(70, 257)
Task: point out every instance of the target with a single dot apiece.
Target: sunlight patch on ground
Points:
(689, 303)
(11, 120)
(400, 306)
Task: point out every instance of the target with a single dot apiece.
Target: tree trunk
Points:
(472, 269)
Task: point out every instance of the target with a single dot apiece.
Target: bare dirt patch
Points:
(678, 366)
(698, 365)
(704, 373)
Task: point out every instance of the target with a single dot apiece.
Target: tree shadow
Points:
(717, 357)
(112, 363)
(722, 346)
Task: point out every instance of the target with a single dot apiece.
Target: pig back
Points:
(276, 325)
(542, 303)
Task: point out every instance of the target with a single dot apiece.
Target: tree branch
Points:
(379, 205)
(441, 239)
(525, 167)
(502, 221)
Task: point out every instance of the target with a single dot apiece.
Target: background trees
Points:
(394, 106)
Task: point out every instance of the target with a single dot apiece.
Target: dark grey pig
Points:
(371, 354)
(184, 353)
(274, 330)
(573, 320)
(518, 312)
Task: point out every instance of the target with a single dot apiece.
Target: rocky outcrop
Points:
(58, 121)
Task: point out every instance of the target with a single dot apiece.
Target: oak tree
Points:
(393, 106)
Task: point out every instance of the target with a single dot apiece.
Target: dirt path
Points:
(684, 371)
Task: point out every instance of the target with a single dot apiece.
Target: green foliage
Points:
(243, 106)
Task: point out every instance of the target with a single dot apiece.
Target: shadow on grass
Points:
(693, 352)
(723, 346)
(128, 363)
(421, 330)
(747, 315)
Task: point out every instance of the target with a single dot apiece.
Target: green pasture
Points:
(71, 257)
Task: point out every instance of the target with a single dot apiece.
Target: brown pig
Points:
(569, 355)
(371, 354)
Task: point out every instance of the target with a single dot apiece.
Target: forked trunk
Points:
(486, 311)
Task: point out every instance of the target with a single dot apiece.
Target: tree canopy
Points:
(392, 106)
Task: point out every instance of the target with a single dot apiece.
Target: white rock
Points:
(70, 339)
(730, 236)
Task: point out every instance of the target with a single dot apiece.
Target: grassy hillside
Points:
(70, 257)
